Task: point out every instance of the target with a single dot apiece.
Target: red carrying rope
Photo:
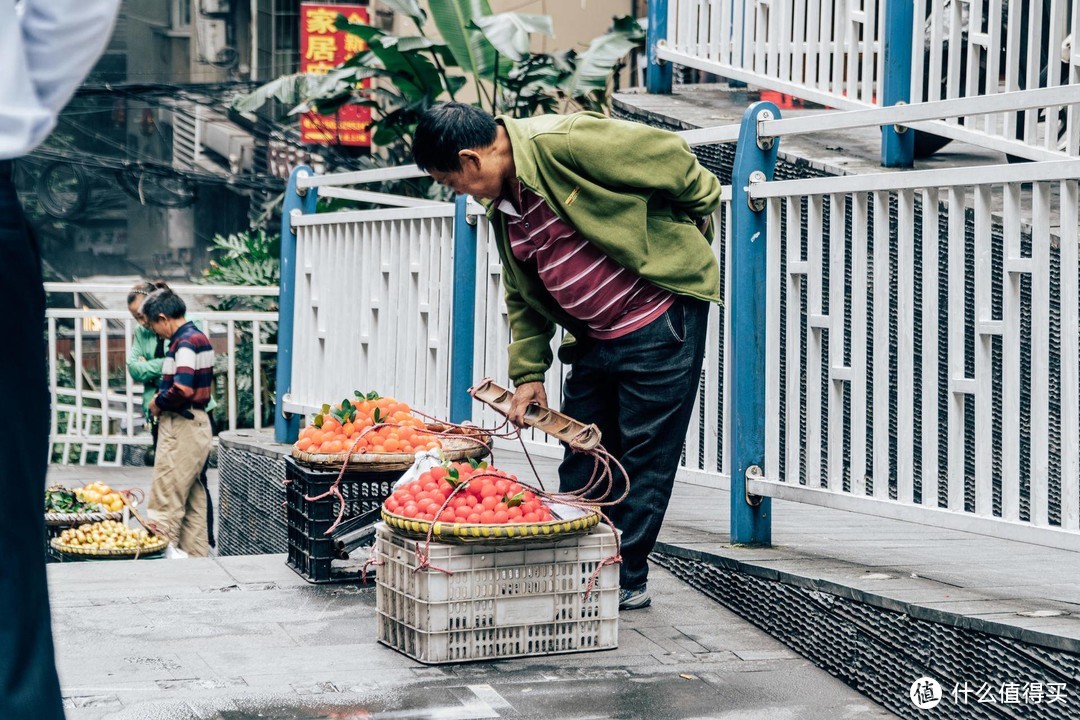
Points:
(590, 498)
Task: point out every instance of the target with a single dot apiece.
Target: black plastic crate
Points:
(311, 550)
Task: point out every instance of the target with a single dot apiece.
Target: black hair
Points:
(144, 289)
(445, 130)
(163, 302)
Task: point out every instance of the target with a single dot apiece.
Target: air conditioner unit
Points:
(214, 7)
(204, 140)
(212, 39)
(231, 143)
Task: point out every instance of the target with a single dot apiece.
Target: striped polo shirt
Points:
(611, 300)
(188, 371)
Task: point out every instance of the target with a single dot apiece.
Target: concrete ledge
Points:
(1014, 631)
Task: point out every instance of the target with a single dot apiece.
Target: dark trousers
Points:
(29, 688)
(639, 390)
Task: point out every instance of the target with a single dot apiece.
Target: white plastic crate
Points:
(502, 600)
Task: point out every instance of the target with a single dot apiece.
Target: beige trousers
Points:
(177, 503)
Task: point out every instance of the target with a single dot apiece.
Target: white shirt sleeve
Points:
(47, 48)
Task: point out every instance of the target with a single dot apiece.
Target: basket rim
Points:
(460, 450)
(55, 518)
(467, 532)
(157, 547)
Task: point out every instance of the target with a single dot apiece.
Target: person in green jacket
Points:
(603, 228)
(144, 365)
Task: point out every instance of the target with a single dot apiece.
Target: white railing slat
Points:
(1070, 357)
(1040, 353)
(905, 353)
(835, 439)
(773, 289)
(1010, 360)
(859, 270)
(794, 366)
(931, 360)
(881, 373)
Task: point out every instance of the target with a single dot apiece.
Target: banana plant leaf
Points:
(454, 19)
(409, 8)
(412, 72)
(510, 32)
(593, 68)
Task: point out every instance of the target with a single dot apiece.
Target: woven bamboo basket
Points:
(70, 519)
(157, 545)
(511, 532)
(453, 448)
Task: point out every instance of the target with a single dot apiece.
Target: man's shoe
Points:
(634, 598)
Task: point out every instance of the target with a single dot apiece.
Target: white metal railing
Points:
(372, 306)
(100, 416)
(373, 312)
(831, 52)
(941, 383)
(827, 51)
(986, 47)
(944, 391)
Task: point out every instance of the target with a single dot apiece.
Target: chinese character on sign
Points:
(354, 44)
(961, 692)
(1055, 693)
(321, 21)
(1033, 693)
(985, 694)
(322, 48)
(1010, 693)
(925, 693)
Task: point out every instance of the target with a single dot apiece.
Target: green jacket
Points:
(634, 191)
(146, 369)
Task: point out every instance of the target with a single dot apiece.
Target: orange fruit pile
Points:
(341, 428)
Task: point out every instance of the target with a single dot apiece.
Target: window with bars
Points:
(278, 38)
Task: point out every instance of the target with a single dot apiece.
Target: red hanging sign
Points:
(322, 48)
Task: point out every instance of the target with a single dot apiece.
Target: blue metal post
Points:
(751, 518)
(897, 148)
(463, 323)
(286, 428)
(658, 74)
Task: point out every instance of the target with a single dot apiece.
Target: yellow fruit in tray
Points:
(107, 534)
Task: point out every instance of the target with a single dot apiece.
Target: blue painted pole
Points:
(287, 427)
(658, 74)
(751, 518)
(897, 148)
(463, 321)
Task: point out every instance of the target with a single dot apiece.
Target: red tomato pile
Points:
(492, 497)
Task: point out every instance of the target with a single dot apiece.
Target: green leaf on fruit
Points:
(377, 416)
(516, 500)
(317, 422)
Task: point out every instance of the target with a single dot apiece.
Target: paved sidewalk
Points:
(234, 637)
(245, 637)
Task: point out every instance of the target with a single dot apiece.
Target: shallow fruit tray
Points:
(68, 519)
(446, 532)
(453, 448)
(153, 548)
(484, 601)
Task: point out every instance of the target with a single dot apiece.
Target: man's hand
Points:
(526, 394)
(703, 224)
(154, 409)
